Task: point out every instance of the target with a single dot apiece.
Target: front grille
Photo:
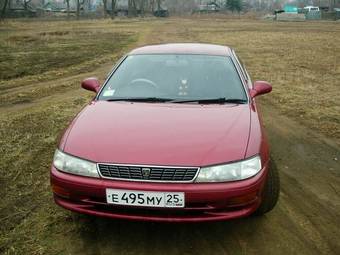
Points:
(148, 173)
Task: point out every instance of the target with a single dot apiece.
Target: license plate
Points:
(145, 198)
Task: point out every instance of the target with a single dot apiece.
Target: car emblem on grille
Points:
(146, 172)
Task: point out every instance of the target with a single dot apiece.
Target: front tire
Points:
(271, 191)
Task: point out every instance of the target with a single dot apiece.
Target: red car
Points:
(174, 134)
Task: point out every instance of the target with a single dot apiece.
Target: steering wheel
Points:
(143, 81)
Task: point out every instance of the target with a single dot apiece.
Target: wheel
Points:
(271, 190)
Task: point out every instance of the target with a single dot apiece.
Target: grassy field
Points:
(302, 60)
(42, 64)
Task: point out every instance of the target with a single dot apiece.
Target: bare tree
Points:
(105, 7)
(142, 7)
(3, 11)
(68, 8)
(78, 9)
(86, 6)
(152, 5)
(26, 2)
(113, 8)
(129, 8)
(132, 8)
(182, 7)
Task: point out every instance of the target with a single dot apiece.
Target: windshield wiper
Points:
(140, 99)
(221, 100)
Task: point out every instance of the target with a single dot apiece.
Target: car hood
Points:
(161, 134)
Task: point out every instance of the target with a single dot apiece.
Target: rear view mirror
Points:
(91, 84)
(260, 88)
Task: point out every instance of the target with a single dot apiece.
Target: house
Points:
(54, 6)
(122, 8)
(209, 7)
(290, 8)
(20, 8)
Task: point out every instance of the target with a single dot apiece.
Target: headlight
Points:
(230, 172)
(73, 165)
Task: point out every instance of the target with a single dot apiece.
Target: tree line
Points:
(134, 7)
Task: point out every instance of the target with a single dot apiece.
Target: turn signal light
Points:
(243, 200)
(60, 191)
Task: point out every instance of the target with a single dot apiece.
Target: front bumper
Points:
(203, 201)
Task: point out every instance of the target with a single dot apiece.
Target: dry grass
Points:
(41, 65)
(53, 50)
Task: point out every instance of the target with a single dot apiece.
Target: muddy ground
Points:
(34, 110)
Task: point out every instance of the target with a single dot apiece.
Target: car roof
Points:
(184, 48)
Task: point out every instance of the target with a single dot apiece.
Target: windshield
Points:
(176, 77)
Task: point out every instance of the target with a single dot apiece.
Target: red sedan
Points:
(173, 134)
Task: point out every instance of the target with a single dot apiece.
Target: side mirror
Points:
(260, 88)
(91, 84)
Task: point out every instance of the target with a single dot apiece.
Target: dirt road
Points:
(305, 221)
